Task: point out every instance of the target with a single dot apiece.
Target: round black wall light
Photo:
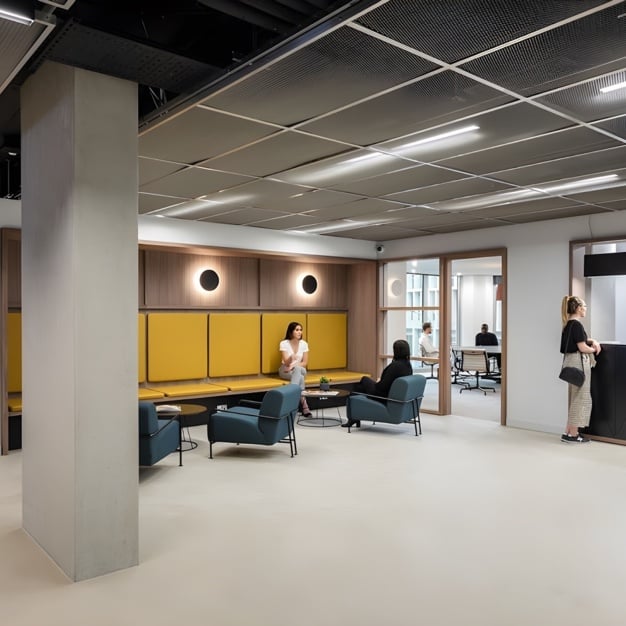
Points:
(309, 284)
(209, 280)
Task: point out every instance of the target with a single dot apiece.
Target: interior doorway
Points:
(477, 336)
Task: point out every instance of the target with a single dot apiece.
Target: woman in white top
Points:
(295, 356)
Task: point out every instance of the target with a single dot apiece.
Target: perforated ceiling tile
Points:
(544, 148)
(617, 126)
(586, 102)
(148, 202)
(571, 53)
(591, 164)
(339, 68)
(199, 134)
(383, 232)
(456, 31)
(277, 153)
(193, 182)
(151, 169)
(573, 211)
(358, 208)
(449, 191)
(470, 225)
(293, 221)
(519, 208)
(245, 216)
(410, 178)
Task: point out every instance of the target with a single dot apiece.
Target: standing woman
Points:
(579, 352)
(295, 356)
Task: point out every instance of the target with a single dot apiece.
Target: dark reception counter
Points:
(608, 390)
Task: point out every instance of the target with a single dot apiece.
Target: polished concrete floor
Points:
(470, 524)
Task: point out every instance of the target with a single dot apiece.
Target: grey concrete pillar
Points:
(79, 318)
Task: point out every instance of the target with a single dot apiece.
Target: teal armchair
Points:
(270, 421)
(402, 405)
(157, 437)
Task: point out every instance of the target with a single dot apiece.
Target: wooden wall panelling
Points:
(141, 279)
(362, 315)
(280, 279)
(171, 280)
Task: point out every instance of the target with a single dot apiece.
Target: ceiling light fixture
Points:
(450, 133)
(621, 85)
(17, 13)
(585, 182)
(366, 157)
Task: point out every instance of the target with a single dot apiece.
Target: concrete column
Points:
(79, 316)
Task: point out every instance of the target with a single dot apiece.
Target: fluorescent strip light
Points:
(577, 183)
(15, 17)
(366, 157)
(621, 85)
(451, 133)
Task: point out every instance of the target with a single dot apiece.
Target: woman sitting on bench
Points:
(295, 356)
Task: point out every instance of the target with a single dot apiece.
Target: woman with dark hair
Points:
(579, 351)
(400, 366)
(295, 355)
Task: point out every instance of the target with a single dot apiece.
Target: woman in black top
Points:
(578, 351)
(400, 366)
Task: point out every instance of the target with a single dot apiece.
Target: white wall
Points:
(476, 302)
(538, 274)
(10, 213)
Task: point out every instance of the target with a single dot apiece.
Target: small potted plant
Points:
(324, 383)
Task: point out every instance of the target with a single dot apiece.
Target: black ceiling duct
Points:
(612, 264)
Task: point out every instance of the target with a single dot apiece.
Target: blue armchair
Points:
(157, 437)
(402, 405)
(272, 421)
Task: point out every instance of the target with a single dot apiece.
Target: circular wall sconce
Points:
(209, 280)
(396, 287)
(309, 284)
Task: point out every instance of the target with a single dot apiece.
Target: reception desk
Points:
(608, 390)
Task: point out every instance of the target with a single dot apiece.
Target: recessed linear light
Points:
(16, 17)
(585, 182)
(450, 133)
(367, 157)
(621, 85)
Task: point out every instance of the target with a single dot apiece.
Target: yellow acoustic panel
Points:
(14, 353)
(177, 346)
(273, 328)
(327, 337)
(141, 348)
(234, 344)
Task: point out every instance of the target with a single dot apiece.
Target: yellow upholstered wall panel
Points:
(141, 348)
(14, 352)
(234, 344)
(273, 328)
(177, 346)
(327, 337)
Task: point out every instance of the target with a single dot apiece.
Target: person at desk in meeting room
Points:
(295, 354)
(426, 343)
(579, 351)
(399, 366)
(485, 338)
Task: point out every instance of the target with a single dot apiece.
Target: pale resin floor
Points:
(471, 524)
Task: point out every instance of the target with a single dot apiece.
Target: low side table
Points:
(320, 400)
(185, 410)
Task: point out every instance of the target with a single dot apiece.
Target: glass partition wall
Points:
(411, 296)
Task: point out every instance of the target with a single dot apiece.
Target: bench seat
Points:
(189, 389)
(335, 377)
(15, 403)
(253, 384)
(143, 393)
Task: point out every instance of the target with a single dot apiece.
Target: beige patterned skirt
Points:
(579, 398)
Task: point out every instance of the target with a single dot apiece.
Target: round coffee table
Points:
(319, 401)
(185, 410)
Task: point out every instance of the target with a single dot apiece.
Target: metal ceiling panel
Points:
(383, 232)
(333, 71)
(403, 180)
(279, 152)
(573, 211)
(600, 196)
(617, 205)
(449, 191)
(359, 208)
(198, 134)
(438, 99)
(543, 148)
(194, 210)
(617, 126)
(586, 102)
(571, 53)
(293, 221)
(246, 216)
(151, 169)
(593, 163)
(194, 182)
(148, 202)
(494, 128)
(472, 225)
(313, 199)
(519, 208)
(470, 28)
(345, 168)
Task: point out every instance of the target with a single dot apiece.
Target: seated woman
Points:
(295, 355)
(400, 366)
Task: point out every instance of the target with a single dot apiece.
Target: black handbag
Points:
(569, 374)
